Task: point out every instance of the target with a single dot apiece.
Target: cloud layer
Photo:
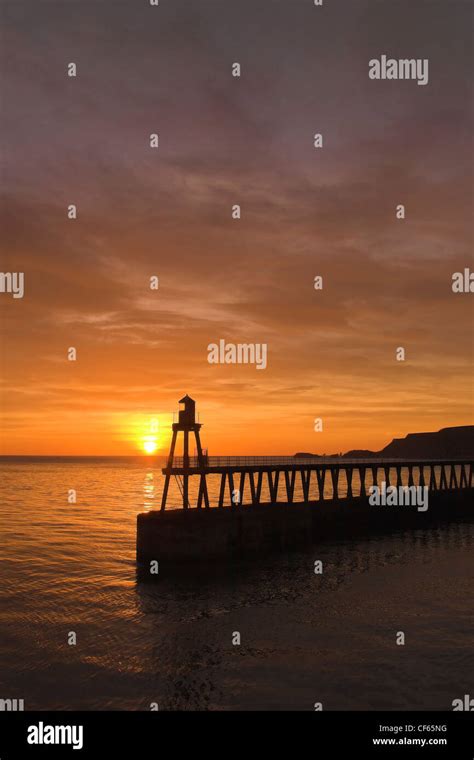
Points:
(305, 212)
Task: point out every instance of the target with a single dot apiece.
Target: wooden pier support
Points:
(399, 476)
(251, 485)
(443, 483)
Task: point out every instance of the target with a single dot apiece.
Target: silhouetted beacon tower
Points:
(186, 424)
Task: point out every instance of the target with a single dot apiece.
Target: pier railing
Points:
(268, 461)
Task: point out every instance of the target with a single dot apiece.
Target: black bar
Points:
(324, 734)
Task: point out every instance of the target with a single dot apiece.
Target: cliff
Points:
(455, 442)
(448, 442)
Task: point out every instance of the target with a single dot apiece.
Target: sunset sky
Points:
(167, 212)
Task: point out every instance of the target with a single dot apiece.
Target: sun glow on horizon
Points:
(150, 445)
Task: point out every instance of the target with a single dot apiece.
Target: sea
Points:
(80, 631)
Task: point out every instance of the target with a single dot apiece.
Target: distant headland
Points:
(447, 442)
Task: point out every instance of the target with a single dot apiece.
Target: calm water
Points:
(304, 638)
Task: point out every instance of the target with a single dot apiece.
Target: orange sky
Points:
(331, 353)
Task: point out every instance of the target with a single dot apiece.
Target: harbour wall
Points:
(178, 537)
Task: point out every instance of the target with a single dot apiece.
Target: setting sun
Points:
(150, 445)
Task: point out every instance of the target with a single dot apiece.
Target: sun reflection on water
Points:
(149, 491)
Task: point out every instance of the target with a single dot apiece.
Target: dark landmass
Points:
(449, 442)
(360, 454)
